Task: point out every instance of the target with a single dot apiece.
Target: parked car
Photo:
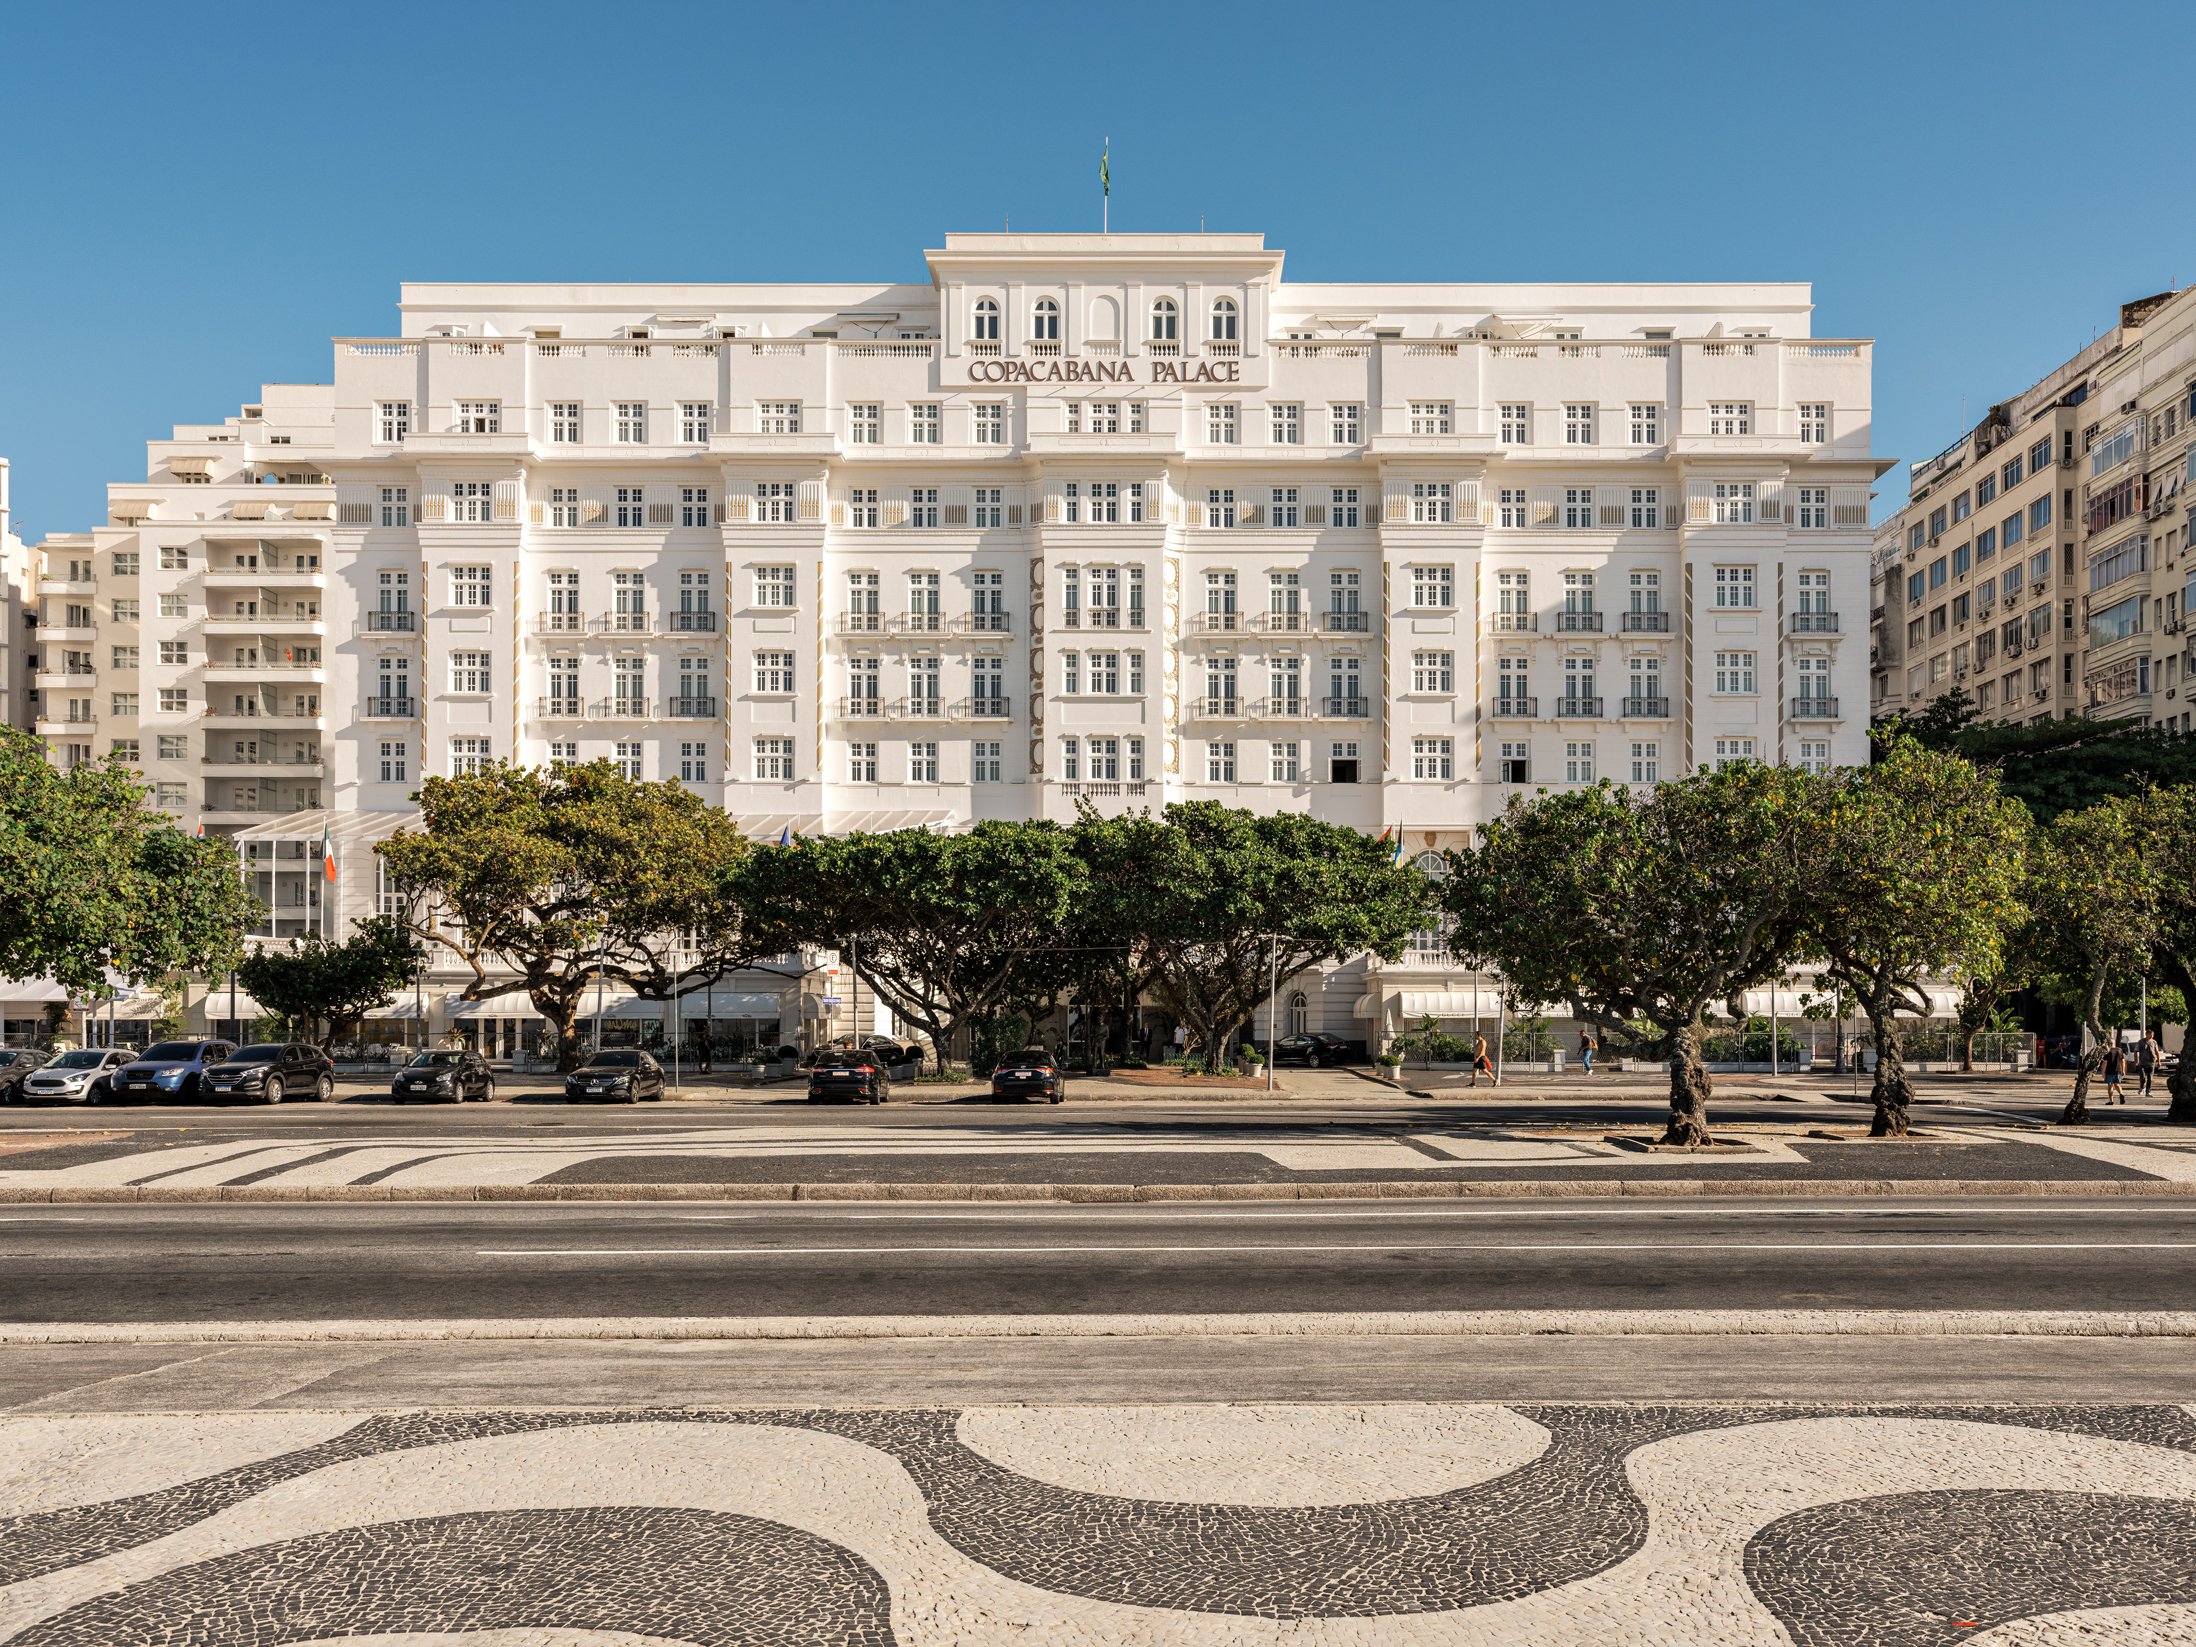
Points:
(1030, 1073)
(271, 1071)
(445, 1077)
(1314, 1050)
(884, 1046)
(620, 1075)
(84, 1076)
(857, 1074)
(15, 1063)
(169, 1069)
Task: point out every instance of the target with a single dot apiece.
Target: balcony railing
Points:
(1578, 623)
(1815, 709)
(622, 709)
(1814, 623)
(1130, 789)
(1345, 623)
(862, 709)
(1220, 709)
(1216, 623)
(988, 708)
(691, 708)
(560, 623)
(1348, 709)
(1281, 709)
(1102, 617)
(1517, 623)
(1578, 709)
(918, 623)
(861, 623)
(1516, 709)
(983, 623)
(1649, 709)
(391, 709)
(918, 709)
(693, 623)
(626, 623)
(389, 623)
(562, 709)
(1646, 623)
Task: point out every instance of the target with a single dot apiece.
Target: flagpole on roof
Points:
(1105, 188)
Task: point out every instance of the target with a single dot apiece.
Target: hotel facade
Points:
(1112, 520)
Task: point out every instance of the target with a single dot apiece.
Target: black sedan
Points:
(1314, 1050)
(15, 1063)
(444, 1077)
(271, 1071)
(621, 1075)
(1029, 1074)
(856, 1074)
(883, 1047)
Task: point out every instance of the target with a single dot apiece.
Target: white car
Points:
(85, 1076)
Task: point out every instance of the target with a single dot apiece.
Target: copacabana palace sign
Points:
(1103, 371)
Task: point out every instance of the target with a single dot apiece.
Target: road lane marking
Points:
(1356, 1246)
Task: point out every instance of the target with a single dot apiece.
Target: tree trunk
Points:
(1967, 1049)
(2181, 1084)
(1892, 1092)
(564, 1020)
(1689, 1090)
(2076, 1113)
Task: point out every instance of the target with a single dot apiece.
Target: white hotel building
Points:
(1125, 519)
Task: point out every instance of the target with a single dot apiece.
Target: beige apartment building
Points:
(1984, 581)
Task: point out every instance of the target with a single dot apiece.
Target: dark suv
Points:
(857, 1074)
(270, 1072)
(168, 1069)
(15, 1064)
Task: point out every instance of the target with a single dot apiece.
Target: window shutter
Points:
(659, 514)
(357, 514)
(736, 507)
(1396, 506)
(1254, 514)
(1055, 506)
(956, 514)
(1612, 514)
(1770, 501)
(1014, 514)
(838, 514)
(536, 515)
(810, 505)
(1486, 514)
(718, 513)
(591, 512)
(507, 500)
(1849, 506)
(1697, 503)
(435, 506)
(895, 512)
(1315, 514)
(1544, 510)
(1467, 499)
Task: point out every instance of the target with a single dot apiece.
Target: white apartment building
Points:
(18, 607)
(1106, 519)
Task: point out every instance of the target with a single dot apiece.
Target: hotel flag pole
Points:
(1105, 188)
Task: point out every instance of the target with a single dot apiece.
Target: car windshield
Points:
(615, 1060)
(1031, 1055)
(87, 1058)
(7, 1058)
(437, 1060)
(267, 1054)
(171, 1052)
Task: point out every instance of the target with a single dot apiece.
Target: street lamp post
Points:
(1273, 993)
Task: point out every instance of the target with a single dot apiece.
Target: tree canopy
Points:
(334, 984)
(2052, 767)
(97, 882)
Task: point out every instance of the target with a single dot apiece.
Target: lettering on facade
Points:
(1103, 371)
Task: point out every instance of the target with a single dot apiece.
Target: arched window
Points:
(987, 321)
(1299, 1013)
(1224, 320)
(1044, 321)
(1165, 321)
(1432, 865)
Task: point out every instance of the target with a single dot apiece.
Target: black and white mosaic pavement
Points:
(1534, 1524)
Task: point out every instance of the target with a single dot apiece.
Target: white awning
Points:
(1787, 1002)
(405, 1009)
(189, 465)
(248, 509)
(619, 1006)
(1368, 1006)
(769, 826)
(30, 992)
(130, 508)
(342, 827)
(216, 1004)
(1450, 1003)
(727, 1003)
(514, 1005)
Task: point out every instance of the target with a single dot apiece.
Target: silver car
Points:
(85, 1076)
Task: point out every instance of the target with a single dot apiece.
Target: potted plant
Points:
(1390, 1063)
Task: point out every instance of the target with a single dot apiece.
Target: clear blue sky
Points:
(196, 202)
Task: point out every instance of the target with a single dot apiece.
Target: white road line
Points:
(1255, 1212)
(1355, 1246)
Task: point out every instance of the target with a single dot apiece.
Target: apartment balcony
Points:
(1281, 709)
(1815, 709)
(559, 623)
(67, 586)
(389, 623)
(625, 623)
(622, 709)
(1346, 709)
(64, 680)
(1281, 623)
(861, 623)
(1216, 623)
(1102, 617)
(1517, 623)
(990, 623)
(60, 726)
(862, 709)
(690, 708)
(986, 709)
(389, 709)
(1216, 709)
(918, 709)
(1578, 623)
(1345, 623)
(292, 719)
(1516, 709)
(1131, 789)
(54, 634)
(559, 709)
(229, 766)
(916, 625)
(263, 668)
(691, 623)
(265, 577)
(1814, 623)
(1578, 709)
(1646, 709)
(1646, 623)
(262, 623)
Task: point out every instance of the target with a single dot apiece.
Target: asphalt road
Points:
(414, 1262)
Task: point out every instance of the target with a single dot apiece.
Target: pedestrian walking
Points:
(703, 1050)
(1586, 1047)
(2115, 1073)
(2146, 1063)
(1480, 1061)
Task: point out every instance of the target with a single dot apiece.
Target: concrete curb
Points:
(1403, 1324)
(1405, 1189)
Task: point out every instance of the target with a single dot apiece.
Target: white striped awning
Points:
(1415, 1004)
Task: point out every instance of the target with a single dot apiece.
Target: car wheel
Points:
(488, 1091)
(1059, 1095)
(187, 1089)
(274, 1089)
(324, 1089)
(1312, 1062)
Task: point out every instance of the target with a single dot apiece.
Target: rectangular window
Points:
(1646, 507)
(2009, 474)
(2039, 513)
(774, 586)
(1342, 507)
(1517, 423)
(1735, 674)
(1220, 423)
(1433, 587)
(471, 673)
(1734, 749)
(631, 506)
(2011, 529)
(1986, 489)
(925, 426)
(693, 506)
(922, 762)
(173, 701)
(1285, 762)
(472, 501)
(1220, 762)
(1432, 502)
(986, 761)
(778, 417)
(693, 763)
(480, 417)
(1432, 417)
(987, 423)
(394, 420)
(174, 558)
(1730, 417)
(564, 422)
(988, 509)
(1433, 672)
(1578, 423)
(1814, 509)
(1646, 763)
(694, 421)
(1288, 424)
(1732, 503)
(861, 763)
(774, 673)
(774, 759)
(862, 508)
(922, 506)
(1960, 508)
(1433, 759)
(1814, 756)
(1578, 507)
(1517, 763)
(1578, 763)
(468, 756)
(1220, 507)
(1814, 422)
(1735, 588)
(1281, 508)
(395, 757)
(1646, 423)
(1346, 423)
(864, 423)
(472, 586)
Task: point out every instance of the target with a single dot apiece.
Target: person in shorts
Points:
(1480, 1061)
